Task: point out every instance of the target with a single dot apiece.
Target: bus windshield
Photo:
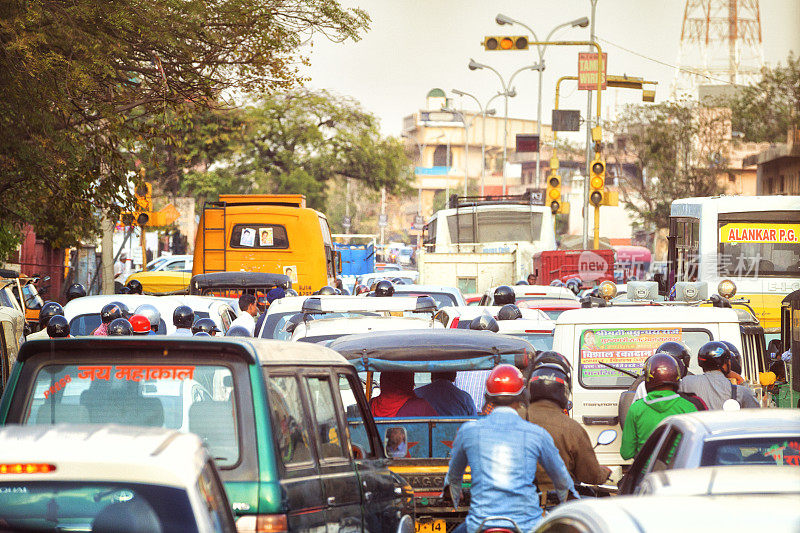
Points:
(495, 226)
(760, 245)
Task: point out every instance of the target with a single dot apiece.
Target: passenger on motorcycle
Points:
(503, 451)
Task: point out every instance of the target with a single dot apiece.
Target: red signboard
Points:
(587, 71)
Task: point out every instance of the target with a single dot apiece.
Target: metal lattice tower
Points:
(720, 42)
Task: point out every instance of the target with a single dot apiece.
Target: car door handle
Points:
(331, 500)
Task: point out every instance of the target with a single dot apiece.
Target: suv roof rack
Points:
(531, 197)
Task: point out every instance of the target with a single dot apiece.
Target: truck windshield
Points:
(196, 398)
(495, 226)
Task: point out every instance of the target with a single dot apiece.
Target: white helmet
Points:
(151, 313)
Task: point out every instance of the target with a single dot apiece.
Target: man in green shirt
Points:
(662, 375)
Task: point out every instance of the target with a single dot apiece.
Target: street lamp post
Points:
(467, 124)
(582, 23)
(484, 111)
(507, 92)
(421, 149)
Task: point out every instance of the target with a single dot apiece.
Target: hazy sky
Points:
(415, 45)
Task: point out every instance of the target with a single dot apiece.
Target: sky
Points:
(415, 45)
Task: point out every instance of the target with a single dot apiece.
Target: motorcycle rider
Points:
(502, 451)
(182, 319)
(677, 350)
(76, 290)
(108, 314)
(48, 311)
(549, 396)
(152, 314)
(713, 385)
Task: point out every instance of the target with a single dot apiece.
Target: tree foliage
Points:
(765, 111)
(82, 83)
(677, 150)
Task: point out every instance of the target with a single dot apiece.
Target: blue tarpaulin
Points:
(357, 259)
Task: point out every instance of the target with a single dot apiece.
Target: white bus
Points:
(752, 240)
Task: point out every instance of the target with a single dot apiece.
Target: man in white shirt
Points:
(249, 310)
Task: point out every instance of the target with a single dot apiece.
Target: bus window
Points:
(495, 226)
(271, 236)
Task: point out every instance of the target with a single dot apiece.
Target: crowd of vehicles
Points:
(291, 438)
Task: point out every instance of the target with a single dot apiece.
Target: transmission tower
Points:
(720, 43)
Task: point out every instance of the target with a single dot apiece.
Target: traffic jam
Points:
(280, 392)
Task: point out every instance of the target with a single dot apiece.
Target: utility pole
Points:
(383, 212)
(347, 203)
(107, 256)
(585, 242)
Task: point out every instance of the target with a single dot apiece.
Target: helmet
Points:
(337, 291)
(275, 293)
(151, 313)
(506, 384)
(57, 327)
(135, 286)
(574, 284)
(205, 324)
(123, 308)
(504, 295)
(384, 288)
(122, 289)
(556, 283)
(676, 350)
(484, 323)
(661, 369)
(712, 355)
(110, 312)
(238, 331)
(48, 311)
(361, 289)
(120, 327)
(551, 358)
(291, 292)
(183, 316)
(76, 290)
(522, 282)
(140, 324)
(201, 334)
(736, 357)
(548, 382)
(327, 289)
(509, 312)
(345, 291)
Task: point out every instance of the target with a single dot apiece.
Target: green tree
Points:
(82, 83)
(766, 110)
(677, 148)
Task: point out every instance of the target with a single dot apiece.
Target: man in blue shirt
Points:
(502, 451)
(446, 398)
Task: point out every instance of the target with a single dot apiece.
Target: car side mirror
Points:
(606, 437)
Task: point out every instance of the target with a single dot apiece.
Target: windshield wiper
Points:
(612, 367)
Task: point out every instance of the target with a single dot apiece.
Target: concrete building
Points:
(779, 167)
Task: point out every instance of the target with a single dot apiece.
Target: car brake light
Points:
(454, 323)
(538, 331)
(262, 523)
(26, 468)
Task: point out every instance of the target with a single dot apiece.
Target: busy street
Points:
(306, 266)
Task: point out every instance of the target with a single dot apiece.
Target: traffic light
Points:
(144, 196)
(505, 42)
(553, 192)
(597, 181)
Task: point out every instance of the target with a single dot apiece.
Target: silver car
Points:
(765, 437)
(717, 480)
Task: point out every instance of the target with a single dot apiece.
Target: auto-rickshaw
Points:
(786, 389)
(233, 284)
(25, 293)
(12, 325)
(424, 444)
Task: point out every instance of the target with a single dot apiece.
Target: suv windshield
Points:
(196, 398)
(86, 324)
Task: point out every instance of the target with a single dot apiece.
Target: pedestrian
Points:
(249, 310)
(713, 385)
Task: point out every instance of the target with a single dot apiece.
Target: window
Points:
(328, 433)
(686, 232)
(210, 487)
(495, 226)
(194, 398)
(668, 451)
(357, 432)
(259, 236)
(86, 324)
(783, 450)
(440, 156)
(540, 341)
(288, 420)
(754, 245)
(177, 265)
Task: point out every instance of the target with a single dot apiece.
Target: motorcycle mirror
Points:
(606, 437)
(731, 405)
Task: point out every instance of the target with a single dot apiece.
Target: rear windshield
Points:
(196, 398)
(540, 341)
(260, 236)
(626, 349)
(442, 299)
(87, 506)
(86, 324)
(779, 450)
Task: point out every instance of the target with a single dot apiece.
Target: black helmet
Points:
(574, 284)
(548, 382)
(712, 355)
(76, 290)
(123, 308)
(661, 369)
(183, 317)
(238, 331)
(361, 289)
(384, 288)
(58, 327)
(120, 327)
(202, 334)
(676, 350)
(205, 324)
(135, 286)
(484, 323)
(522, 282)
(736, 357)
(48, 311)
(509, 312)
(327, 289)
(553, 358)
(504, 295)
(110, 312)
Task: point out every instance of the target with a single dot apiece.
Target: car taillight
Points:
(262, 523)
(26, 468)
(538, 331)
(454, 323)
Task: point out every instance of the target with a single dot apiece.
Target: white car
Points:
(534, 326)
(324, 330)
(532, 292)
(280, 311)
(97, 478)
(714, 480)
(408, 276)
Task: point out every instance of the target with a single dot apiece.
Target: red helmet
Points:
(505, 382)
(140, 324)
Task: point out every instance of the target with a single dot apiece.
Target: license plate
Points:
(430, 526)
